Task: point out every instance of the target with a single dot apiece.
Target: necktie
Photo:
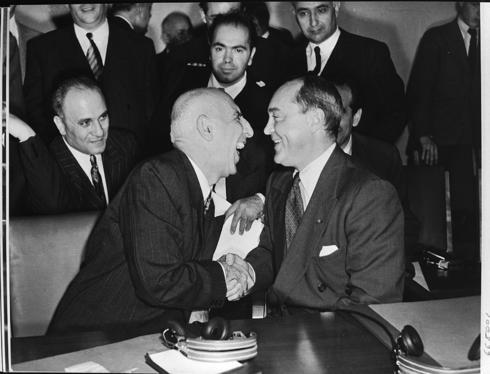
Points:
(318, 61)
(209, 204)
(294, 210)
(93, 57)
(473, 55)
(96, 178)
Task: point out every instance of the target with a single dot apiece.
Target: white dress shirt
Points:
(463, 27)
(100, 36)
(311, 173)
(13, 28)
(232, 90)
(84, 161)
(326, 48)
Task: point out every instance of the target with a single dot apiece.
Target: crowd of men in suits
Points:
(298, 134)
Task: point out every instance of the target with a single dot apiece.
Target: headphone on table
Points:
(213, 341)
(409, 344)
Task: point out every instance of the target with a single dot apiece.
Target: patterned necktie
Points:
(97, 179)
(93, 57)
(318, 61)
(473, 57)
(294, 210)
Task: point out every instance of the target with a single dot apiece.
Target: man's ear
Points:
(316, 119)
(357, 117)
(252, 54)
(60, 125)
(205, 127)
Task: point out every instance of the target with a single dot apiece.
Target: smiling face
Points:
(84, 122)
(316, 19)
(230, 53)
(88, 16)
(288, 128)
(232, 131)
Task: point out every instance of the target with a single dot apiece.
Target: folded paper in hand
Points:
(236, 243)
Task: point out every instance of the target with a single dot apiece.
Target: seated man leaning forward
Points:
(333, 232)
(147, 259)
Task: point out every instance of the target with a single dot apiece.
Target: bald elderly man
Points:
(148, 259)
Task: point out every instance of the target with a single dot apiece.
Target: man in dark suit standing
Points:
(149, 257)
(84, 166)
(330, 51)
(122, 61)
(132, 16)
(381, 158)
(333, 232)
(444, 101)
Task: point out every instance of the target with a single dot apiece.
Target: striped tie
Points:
(97, 179)
(93, 57)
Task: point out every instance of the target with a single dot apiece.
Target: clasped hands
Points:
(239, 276)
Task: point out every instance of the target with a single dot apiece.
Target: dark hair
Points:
(121, 7)
(204, 6)
(316, 92)
(80, 82)
(174, 15)
(259, 10)
(344, 81)
(235, 19)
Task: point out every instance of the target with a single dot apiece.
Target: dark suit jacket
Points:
(128, 81)
(26, 33)
(145, 258)
(121, 23)
(351, 209)
(368, 62)
(383, 159)
(443, 102)
(57, 184)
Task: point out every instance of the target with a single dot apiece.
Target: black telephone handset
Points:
(474, 352)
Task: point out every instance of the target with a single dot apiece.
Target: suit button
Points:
(321, 287)
(319, 220)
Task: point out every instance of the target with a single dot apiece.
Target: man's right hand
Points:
(429, 150)
(19, 129)
(239, 276)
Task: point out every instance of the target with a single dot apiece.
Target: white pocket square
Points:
(328, 250)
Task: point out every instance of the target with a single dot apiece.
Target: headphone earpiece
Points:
(410, 342)
(216, 328)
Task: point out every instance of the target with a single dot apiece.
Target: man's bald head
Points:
(192, 104)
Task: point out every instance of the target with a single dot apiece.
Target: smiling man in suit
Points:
(328, 51)
(122, 61)
(333, 232)
(85, 165)
(149, 257)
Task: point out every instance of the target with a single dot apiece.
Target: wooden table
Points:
(314, 343)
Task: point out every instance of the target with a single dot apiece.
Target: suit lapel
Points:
(74, 172)
(72, 51)
(113, 163)
(337, 56)
(456, 43)
(313, 224)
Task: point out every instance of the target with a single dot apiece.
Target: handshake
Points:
(239, 276)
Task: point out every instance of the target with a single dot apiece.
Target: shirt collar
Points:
(100, 36)
(14, 28)
(327, 46)
(99, 32)
(347, 148)
(233, 90)
(203, 181)
(463, 26)
(125, 19)
(311, 173)
(266, 34)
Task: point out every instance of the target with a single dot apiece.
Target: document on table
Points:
(174, 362)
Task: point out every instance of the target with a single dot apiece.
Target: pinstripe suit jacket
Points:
(145, 258)
(57, 184)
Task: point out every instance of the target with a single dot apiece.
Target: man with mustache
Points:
(149, 257)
